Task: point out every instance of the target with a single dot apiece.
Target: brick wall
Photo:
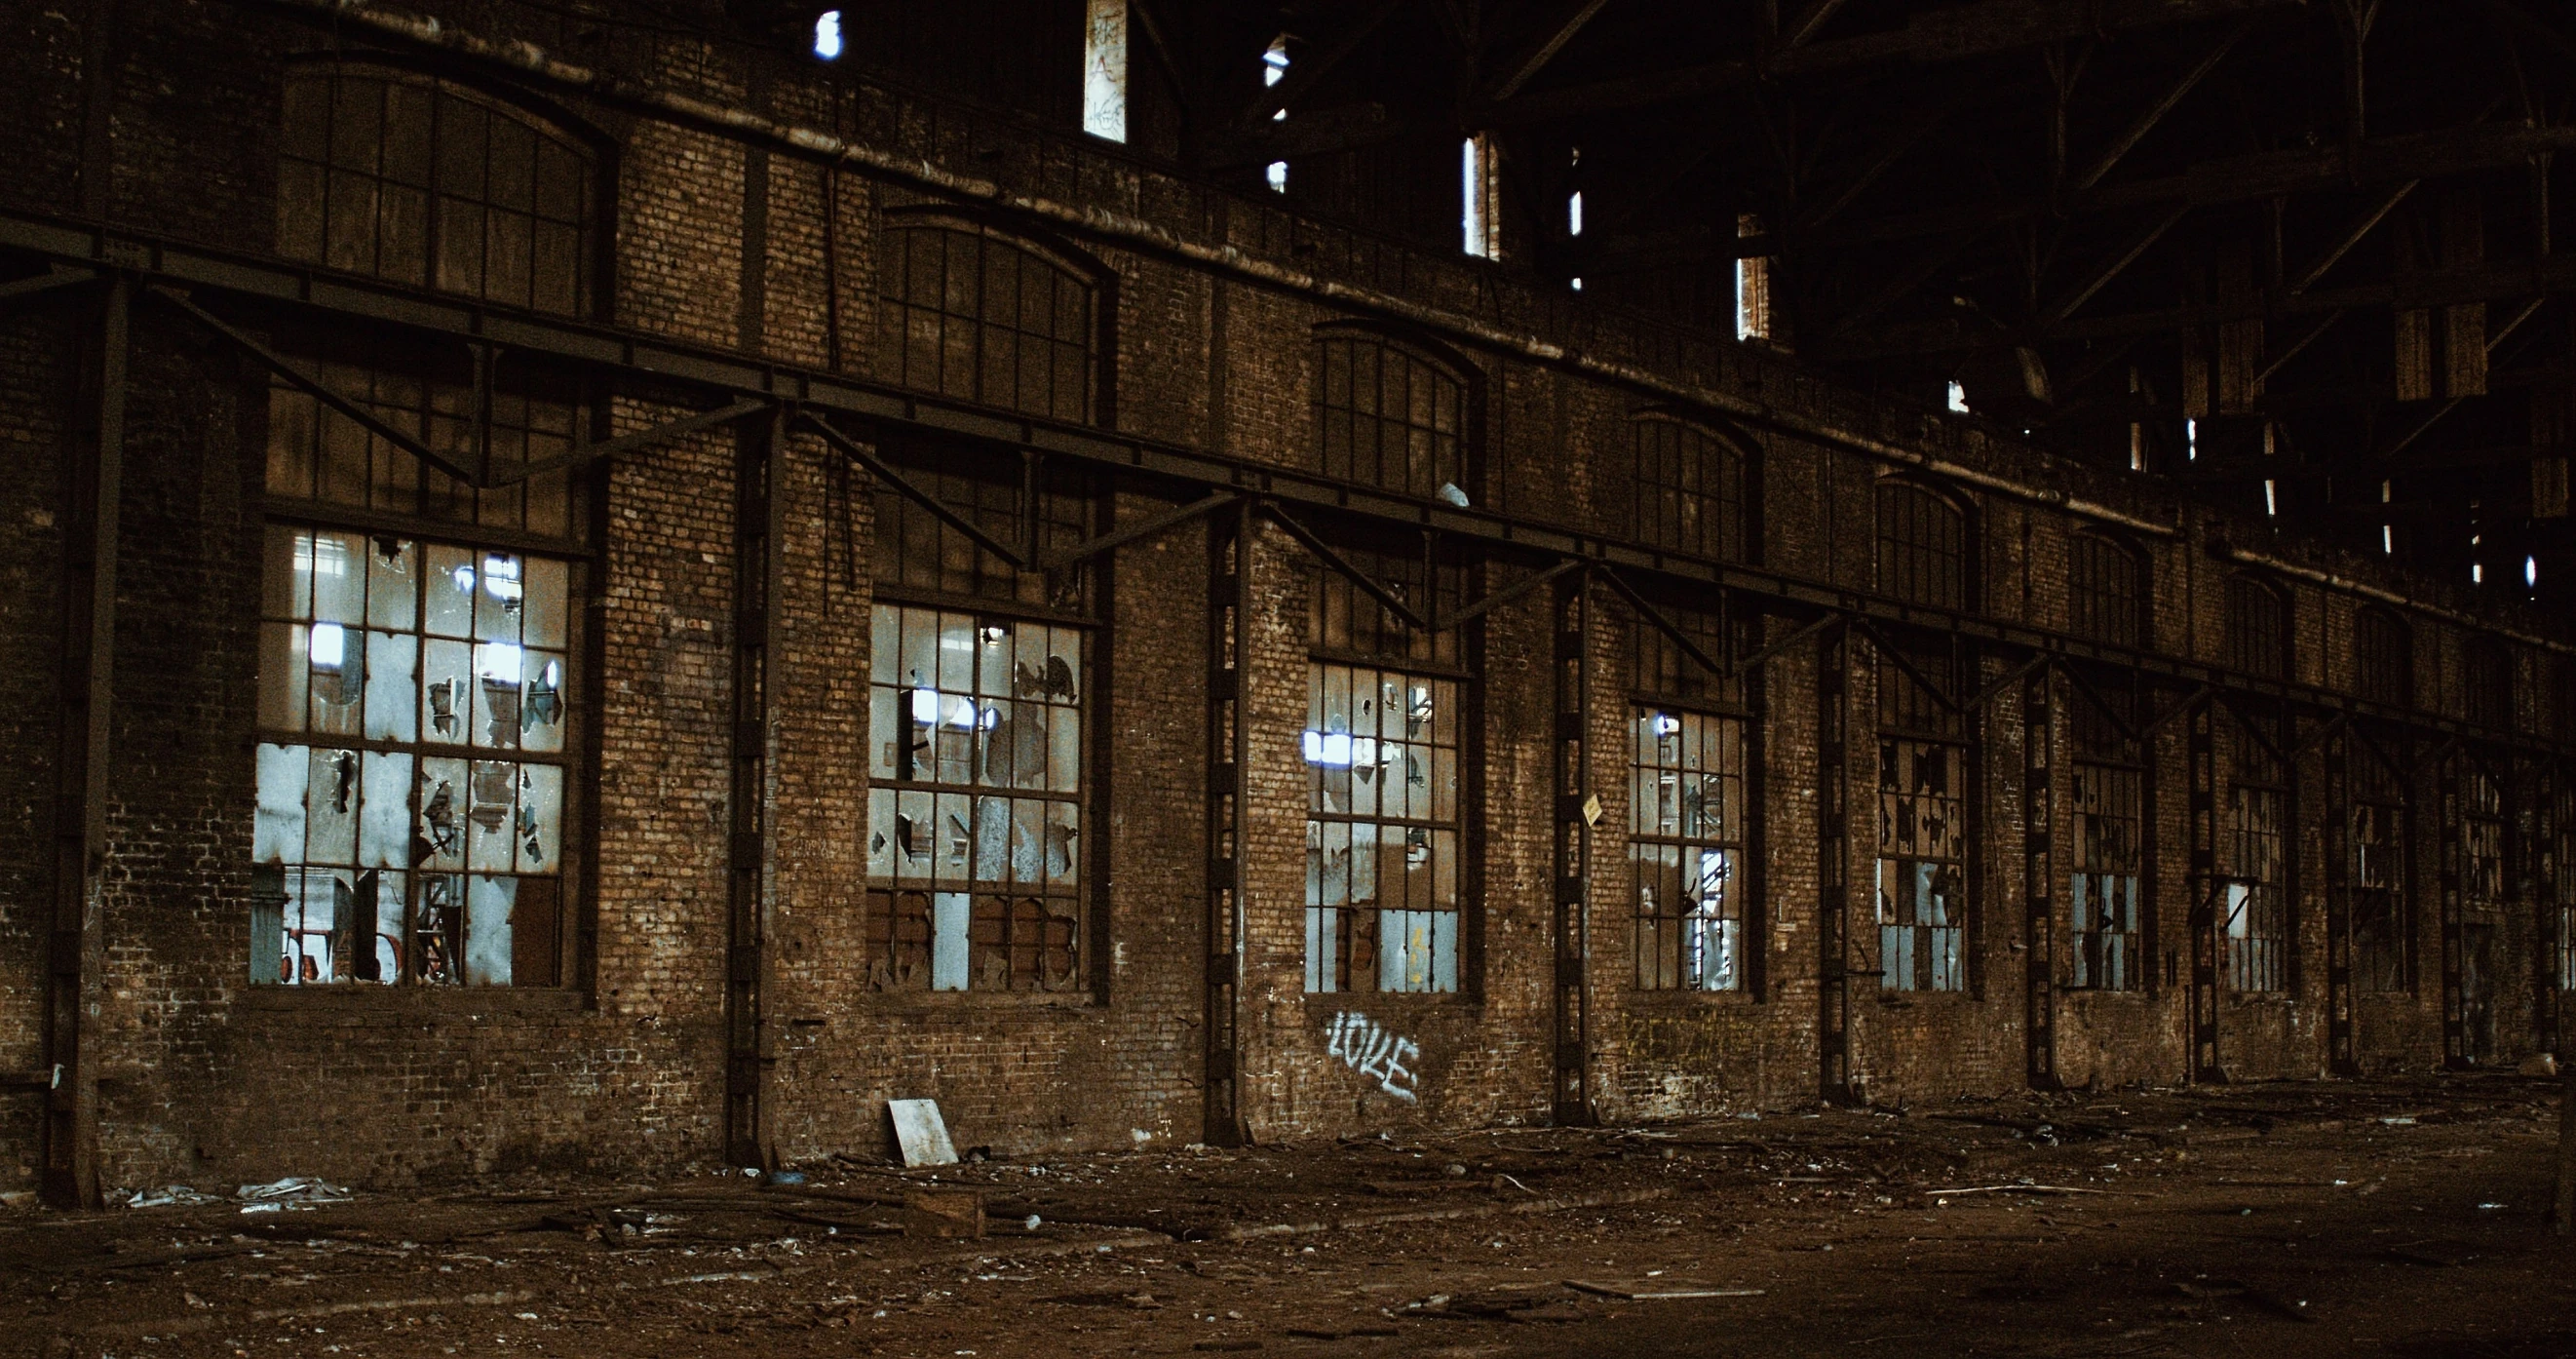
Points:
(209, 1078)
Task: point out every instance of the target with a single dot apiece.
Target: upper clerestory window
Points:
(971, 314)
(1391, 417)
(419, 180)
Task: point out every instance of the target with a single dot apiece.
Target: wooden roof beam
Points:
(1560, 29)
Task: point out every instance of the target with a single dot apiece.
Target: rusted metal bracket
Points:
(1895, 655)
(53, 280)
(1666, 626)
(681, 428)
(1142, 528)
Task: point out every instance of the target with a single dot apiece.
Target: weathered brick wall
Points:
(207, 1078)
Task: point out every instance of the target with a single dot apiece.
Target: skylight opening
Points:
(1958, 396)
(827, 35)
(1104, 70)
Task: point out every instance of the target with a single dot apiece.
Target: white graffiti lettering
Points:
(1369, 1048)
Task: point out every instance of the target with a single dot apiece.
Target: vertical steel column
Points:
(2039, 872)
(2542, 854)
(2202, 809)
(758, 565)
(2338, 827)
(1833, 868)
(93, 492)
(1576, 809)
(2455, 1027)
(1230, 534)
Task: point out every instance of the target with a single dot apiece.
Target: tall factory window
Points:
(979, 689)
(2483, 884)
(1382, 752)
(1390, 416)
(2382, 918)
(2108, 797)
(1690, 488)
(2105, 590)
(420, 180)
(1922, 888)
(2562, 844)
(2383, 658)
(2253, 899)
(1688, 810)
(972, 314)
(975, 800)
(2258, 627)
(416, 735)
(1104, 69)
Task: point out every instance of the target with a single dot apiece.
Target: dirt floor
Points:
(2397, 1218)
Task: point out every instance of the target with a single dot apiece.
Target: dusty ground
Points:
(2390, 1218)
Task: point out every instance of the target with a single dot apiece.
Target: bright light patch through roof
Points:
(1958, 398)
(827, 35)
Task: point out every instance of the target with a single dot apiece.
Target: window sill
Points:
(364, 999)
(1392, 1002)
(946, 1002)
(1642, 998)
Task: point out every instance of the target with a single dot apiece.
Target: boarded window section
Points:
(1382, 899)
(2102, 895)
(1389, 417)
(2104, 593)
(320, 455)
(977, 316)
(2379, 898)
(974, 836)
(1922, 865)
(1690, 488)
(414, 711)
(1686, 847)
(1922, 547)
(421, 181)
(915, 548)
(2383, 658)
(2253, 899)
(2482, 821)
(2258, 628)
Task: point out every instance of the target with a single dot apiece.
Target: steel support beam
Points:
(1231, 536)
(1835, 1076)
(759, 570)
(2039, 873)
(2341, 1057)
(1577, 809)
(2201, 813)
(94, 472)
(2448, 825)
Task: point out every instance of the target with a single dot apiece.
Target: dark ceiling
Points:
(2297, 253)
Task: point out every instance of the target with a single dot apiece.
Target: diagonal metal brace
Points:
(1385, 597)
(2093, 695)
(1895, 655)
(1813, 629)
(1142, 528)
(1665, 625)
(584, 454)
(884, 471)
(1507, 594)
(2310, 741)
(52, 280)
(2183, 705)
(276, 363)
(2018, 674)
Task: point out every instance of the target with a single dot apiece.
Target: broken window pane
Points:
(1686, 812)
(975, 743)
(1381, 882)
(351, 647)
(2254, 916)
(1922, 861)
(2103, 892)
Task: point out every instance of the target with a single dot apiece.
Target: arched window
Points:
(2105, 590)
(2258, 628)
(1389, 416)
(969, 313)
(1922, 546)
(1690, 487)
(2383, 658)
(2488, 678)
(423, 181)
